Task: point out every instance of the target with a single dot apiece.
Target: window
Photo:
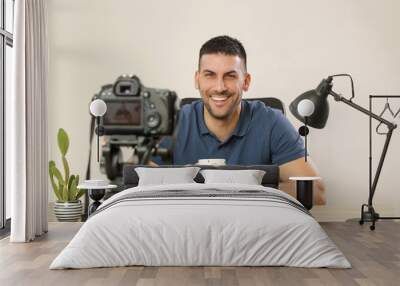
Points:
(6, 62)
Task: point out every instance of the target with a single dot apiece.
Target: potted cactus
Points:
(68, 207)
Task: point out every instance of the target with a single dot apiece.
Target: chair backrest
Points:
(272, 102)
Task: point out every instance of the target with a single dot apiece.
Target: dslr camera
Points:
(136, 117)
(133, 109)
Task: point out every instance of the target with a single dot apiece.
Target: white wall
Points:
(291, 46)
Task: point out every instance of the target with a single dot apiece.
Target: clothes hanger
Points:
(386, 107)
(397, 113)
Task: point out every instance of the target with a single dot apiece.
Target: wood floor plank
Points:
(374, 255)
(313, 282)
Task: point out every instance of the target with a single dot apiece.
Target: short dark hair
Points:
(225, 45)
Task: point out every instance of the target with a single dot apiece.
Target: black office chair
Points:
(272, 102)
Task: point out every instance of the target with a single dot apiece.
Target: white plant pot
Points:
(69, 211)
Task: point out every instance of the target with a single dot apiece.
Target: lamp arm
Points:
(379, 168)
(391, 126)
(338, 97)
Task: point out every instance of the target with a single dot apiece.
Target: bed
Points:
(201, 224)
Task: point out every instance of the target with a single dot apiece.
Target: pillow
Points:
(163, 176)
(249, 177)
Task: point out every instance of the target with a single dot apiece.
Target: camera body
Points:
(137, 117)
(133, 109)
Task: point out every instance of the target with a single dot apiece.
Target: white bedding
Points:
(189, 230)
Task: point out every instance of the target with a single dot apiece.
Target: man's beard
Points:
(230, 110)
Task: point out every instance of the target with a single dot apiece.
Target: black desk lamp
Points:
(318, 119)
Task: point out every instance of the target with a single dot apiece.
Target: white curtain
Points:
(26, 123)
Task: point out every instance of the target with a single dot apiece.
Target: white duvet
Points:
(207, 230)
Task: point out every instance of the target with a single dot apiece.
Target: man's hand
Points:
(152, 164)
(300, 168)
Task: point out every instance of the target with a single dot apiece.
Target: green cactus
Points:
(65, 187)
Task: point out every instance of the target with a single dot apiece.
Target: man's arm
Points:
(301, 168)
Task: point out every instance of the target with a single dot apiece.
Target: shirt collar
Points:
(241, 127)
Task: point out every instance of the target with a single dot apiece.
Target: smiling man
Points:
(242, 132)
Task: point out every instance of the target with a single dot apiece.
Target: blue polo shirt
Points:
(262, 136)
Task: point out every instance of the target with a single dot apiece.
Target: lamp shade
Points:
(301, 106)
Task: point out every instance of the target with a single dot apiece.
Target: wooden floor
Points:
(375, 256)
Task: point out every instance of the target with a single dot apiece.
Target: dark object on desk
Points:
(304, 190)
(319, 97)
(304, 193)
(96, 195)
(96, 192)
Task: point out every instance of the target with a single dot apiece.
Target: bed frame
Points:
(270, 179)
(131, 179)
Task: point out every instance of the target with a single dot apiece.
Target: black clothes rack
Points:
(368, 213)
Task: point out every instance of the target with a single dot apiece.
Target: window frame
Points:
(6, 39)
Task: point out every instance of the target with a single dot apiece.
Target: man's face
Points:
(221, 80)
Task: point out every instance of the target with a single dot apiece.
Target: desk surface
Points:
(304, 178)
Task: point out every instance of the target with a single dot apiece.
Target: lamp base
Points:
(369, 215)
